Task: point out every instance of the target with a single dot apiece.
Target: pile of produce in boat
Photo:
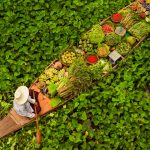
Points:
(123, 48)
(95, 35)
(78, 80)
(103, 50)
(85, 45)
(101, 67)
(107, 28)
(73, 74)
(112, 39)
(68, 57)
(140, 29)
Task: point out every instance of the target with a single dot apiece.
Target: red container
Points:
(116, 17)
(107, 28)
(92, 59)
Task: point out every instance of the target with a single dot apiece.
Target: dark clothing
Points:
(38, 108)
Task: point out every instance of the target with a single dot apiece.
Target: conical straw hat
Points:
(21, 95)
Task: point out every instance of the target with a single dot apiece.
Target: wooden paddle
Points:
(38, 132)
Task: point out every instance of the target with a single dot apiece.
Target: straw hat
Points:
(21, 95)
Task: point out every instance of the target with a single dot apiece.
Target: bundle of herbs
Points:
(123, 48)
(101, 67)
(140, 29)
(78, 80)
(112, 39)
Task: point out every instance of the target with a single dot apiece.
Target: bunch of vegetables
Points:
(123, 48)
(124, 12)
(95, 35)
(85, 45)
(79, 80)
(129, 19)
(61, 74)
(52, 75)
(112, 39)
(140, 29)
(68, 57)
(102, 66)
(103, 51)
(43, 77)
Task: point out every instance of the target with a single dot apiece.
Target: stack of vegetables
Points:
(87, 61)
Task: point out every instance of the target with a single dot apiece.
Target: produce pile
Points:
(80, 65)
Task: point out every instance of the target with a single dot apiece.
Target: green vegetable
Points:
(43, 77)
(95, 35)
(55, 101)
(52, 89)
(123, 48)
(140, 29)
(112, 39)
(86, 45)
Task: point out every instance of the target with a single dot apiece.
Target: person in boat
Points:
(24, 102)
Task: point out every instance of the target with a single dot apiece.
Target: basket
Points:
(69, 50)
(94, 58)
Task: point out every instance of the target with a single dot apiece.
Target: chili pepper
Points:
(116, 17)
(92, 59)
(107, 28)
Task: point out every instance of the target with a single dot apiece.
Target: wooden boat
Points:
(13, 122)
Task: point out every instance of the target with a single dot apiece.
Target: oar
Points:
(38, 132)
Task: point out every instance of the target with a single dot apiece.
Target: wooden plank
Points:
(7, 125)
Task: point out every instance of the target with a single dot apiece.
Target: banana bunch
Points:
(42, 77)
(52, 75)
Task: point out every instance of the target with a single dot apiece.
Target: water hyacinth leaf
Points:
(84, 116)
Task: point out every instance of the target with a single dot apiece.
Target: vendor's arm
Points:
(31, 100)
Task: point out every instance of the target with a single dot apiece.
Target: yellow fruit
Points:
(131, 40)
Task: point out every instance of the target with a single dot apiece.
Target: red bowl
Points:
(116, 17)
(92, 59)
